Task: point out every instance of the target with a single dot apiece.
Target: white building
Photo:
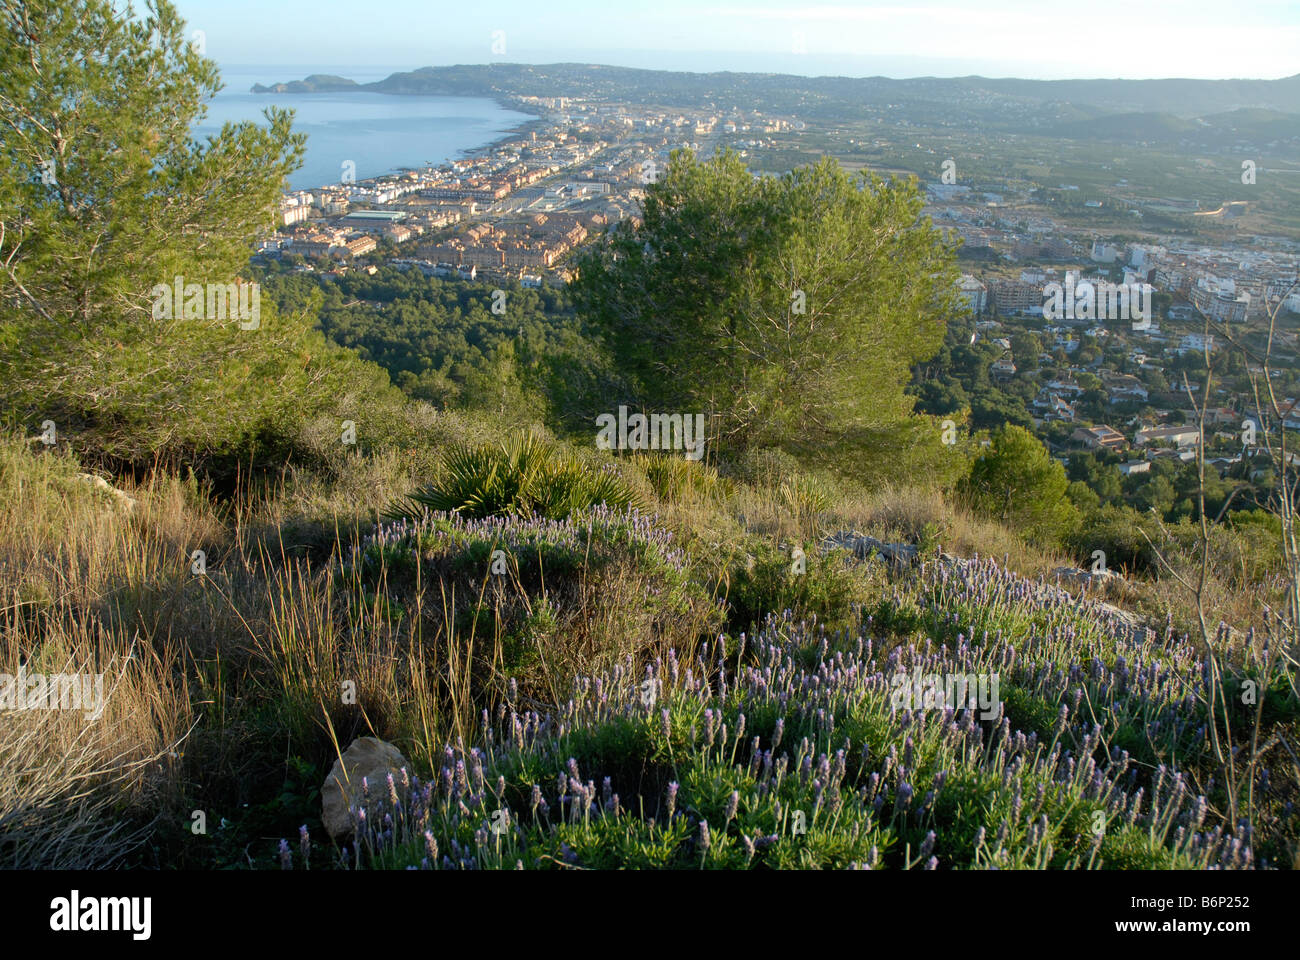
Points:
(973, 293)
(1104, 252)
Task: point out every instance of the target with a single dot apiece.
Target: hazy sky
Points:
(1024, 38)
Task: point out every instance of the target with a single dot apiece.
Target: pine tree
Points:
(1017, 482)
(106, 198)
(790, 309)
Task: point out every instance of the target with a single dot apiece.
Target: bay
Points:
(377, 132)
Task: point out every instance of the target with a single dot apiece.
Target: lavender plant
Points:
(786, 751)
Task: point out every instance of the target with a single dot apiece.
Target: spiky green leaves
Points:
(524, 476)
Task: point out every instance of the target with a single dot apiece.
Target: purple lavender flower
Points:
(927, 845)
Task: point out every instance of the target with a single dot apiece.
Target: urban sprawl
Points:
(515, 213)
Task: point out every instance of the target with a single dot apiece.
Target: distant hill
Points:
(316, 83)
(1007, 103)
(1254, 125)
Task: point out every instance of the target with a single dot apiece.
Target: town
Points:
(1090, 307)
(1113, 384)
(513, 213)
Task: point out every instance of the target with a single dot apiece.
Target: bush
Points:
(525, 476)
(675, 479)
(1124, 534)
(803, 496)
(767, 579)
(1016, 482)
(540, 598)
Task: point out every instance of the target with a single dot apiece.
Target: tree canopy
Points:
(1016, 481)
(106, 199)
(789, 309)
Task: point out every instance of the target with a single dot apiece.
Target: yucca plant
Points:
(524, 476)
(674, 478)
(804, 496)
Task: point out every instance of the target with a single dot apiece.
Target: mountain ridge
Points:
(1179, 96)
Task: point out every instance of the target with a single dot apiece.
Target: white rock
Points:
(124, 500)
(369, 758)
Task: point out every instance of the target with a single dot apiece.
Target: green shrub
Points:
(768, 578)
(525, 476)
(542, 598)
(675, 478)
(1016, 482)
(1124, 534)
(803, 496)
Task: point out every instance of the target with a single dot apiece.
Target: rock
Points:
(369, 758)
(1123, 622)
(122, 498)
(864, 547)
(1083, 578)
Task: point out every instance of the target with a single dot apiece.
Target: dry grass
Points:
(213, 681)
(71, 782)
(68, 779)
(260, 643)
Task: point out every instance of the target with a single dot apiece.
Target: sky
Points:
(1041, 39)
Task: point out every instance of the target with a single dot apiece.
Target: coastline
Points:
(520, 129)
(509, 102)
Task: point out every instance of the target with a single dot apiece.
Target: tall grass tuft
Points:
(523, 476)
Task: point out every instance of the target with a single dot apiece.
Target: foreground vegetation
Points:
(608, 697)
(267, 550)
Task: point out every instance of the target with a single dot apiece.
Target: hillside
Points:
(1252, 125)
(733, 546)
(1006, 101)
(821, 734)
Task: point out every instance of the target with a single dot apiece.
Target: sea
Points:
(377, 133)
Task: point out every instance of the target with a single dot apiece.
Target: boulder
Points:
(369, 758)
(1083, 578)
(864, 548)
(1123, 622)
(120, 497)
